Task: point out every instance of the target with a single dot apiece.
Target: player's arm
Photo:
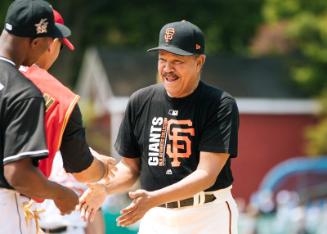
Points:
(202, 178)
(125, 177)
(101, 167)
(26, 179)
(76, 155)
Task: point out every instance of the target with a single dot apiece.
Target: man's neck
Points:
(11, 50)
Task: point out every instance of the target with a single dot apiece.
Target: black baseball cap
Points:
(33, 18)
(182, 38)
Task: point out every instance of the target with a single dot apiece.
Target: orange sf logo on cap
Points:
(169, 34)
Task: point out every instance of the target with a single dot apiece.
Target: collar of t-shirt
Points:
(183, 99)
(7, 60)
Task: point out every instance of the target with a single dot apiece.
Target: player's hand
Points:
(142, 202)
(110, 164)
(91, 200)
(66, 201)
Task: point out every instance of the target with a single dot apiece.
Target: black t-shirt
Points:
(22, 131)
(74, 149)
(169, 133)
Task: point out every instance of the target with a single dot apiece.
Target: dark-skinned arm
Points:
(26, 179)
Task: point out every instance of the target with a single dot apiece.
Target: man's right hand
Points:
(66, 201)
(108, 162)
(102, 168)
(91, 201)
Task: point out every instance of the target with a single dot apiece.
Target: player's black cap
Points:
(33, 18)
(182, 38)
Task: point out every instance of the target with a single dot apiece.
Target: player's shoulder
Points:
(215, 99)
(34, 72)
(214, 93)
(43, 80)
(16, 85)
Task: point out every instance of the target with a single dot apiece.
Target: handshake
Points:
(94, 196)
(114, 179)
(100, 171)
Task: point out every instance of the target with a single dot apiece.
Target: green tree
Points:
(307, 27)
(3, 8)
(228, 25)
(317, 135)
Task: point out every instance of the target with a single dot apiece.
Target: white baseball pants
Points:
(12, 218)
(217, 217)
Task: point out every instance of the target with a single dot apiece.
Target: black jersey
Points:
(168, 134)
(22, 131)
(75, 152)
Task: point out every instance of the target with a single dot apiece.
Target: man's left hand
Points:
(142, 202)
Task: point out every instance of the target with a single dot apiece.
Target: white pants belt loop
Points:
(201, 198)
(196, 199)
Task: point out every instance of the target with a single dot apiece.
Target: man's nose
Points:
(168, 67)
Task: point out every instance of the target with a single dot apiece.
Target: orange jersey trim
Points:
(66, 118)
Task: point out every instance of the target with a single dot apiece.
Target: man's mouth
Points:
(169, 77)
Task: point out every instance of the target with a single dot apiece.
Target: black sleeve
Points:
(75, 151)
(24, 131)
(126, 143)
(220, 133)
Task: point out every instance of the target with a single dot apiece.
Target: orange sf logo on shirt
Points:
(179, 132)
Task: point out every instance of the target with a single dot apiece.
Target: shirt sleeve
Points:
(74, 148)
(126, 142)
(220, 133)
(25, 131)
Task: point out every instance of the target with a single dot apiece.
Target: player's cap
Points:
(60, 20)
(33, 18)
(182, 38)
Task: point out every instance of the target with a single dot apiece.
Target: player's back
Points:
(14, 90)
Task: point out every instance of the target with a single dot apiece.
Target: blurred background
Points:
(269, 54)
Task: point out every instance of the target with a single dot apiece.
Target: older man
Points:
(179, 138)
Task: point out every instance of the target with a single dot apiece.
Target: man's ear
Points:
(35, 42)
(200, 61)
